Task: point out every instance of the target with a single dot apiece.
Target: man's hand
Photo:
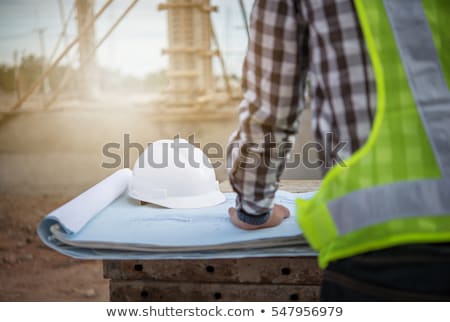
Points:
(279, 213)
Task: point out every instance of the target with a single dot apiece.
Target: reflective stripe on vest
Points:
(372, 206)
(411, 198)
(421, 62)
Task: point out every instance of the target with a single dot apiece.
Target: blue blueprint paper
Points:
(125, 224)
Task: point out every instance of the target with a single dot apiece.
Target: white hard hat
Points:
(175, 174)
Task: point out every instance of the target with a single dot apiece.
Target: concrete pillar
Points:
(190, 69)
(88, 76)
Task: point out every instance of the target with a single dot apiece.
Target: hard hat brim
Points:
(199, 201)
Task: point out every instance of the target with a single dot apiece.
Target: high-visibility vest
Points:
(396, 189)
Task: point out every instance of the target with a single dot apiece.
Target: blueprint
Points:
(104, 222)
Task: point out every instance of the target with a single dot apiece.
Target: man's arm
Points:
(273, 82)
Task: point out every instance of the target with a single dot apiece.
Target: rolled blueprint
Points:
(76, 213)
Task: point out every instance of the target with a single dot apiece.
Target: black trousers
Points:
(417, 272)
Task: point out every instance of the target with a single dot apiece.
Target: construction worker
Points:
(380, 73)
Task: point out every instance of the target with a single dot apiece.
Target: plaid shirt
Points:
(288, 39)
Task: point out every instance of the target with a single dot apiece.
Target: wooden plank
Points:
(187, 5)
(190, 50)
(182, 73)
(268, 270)
(173, 291)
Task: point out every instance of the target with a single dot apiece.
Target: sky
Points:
(135, 46)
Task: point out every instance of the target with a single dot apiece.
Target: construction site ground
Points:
(47, 158)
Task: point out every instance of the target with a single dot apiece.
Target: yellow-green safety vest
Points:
(396, 189)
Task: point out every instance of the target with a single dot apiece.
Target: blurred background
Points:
(76, 75)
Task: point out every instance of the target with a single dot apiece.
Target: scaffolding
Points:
(190, 71)
(192, 44)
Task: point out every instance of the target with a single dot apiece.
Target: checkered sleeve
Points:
(287, 39)
(273, 81)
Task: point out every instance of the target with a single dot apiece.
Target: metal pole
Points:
(40, 32)
(64, 22)
(63, 34)
(226, 79)
(16, 74)
(245, 17)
